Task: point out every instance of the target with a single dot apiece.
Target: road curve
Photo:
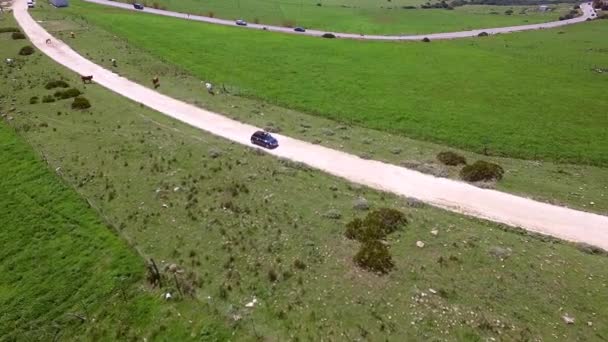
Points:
(560, 222)
(588, 13)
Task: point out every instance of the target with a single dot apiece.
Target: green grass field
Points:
(565, 184)
(236, 221)
(365, 16)
(530, 95)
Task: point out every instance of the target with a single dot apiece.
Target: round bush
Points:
(56, 84)
(426, 40)
(329, 35)
(26, 50)
(81, 103)
(451, 158)
(374, 256)
(481, 171)
(483, 34)
(385, 220)
(72, 92)
(17, 35)
(47, 99)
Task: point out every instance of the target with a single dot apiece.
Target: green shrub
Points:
(26, 50)
(374, 256)
(56, 84)
(426, 40)
(451, 158)
(17, 35)
(481, 171)
(33, 99)
(354, 229)
(387, 220)
(72, 92)
(47, 99)
(9, 29)
(81, 103)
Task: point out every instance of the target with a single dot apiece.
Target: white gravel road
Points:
(452, 195)
(588, 12)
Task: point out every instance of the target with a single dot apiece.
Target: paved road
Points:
(588, 12)
(449, 194)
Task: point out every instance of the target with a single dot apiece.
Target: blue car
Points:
(299, 29)
(138, 6)
(264, 139)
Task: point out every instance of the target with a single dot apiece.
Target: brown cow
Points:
(87, 79)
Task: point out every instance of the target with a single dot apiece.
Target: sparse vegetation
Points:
(374, 256)
(482, 171)
(66, 94)
(48, 99)
(451, 158)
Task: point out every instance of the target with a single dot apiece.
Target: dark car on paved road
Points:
(241, 22)
(328, 35)
(299, 29)
(264, 139)
(138, 6)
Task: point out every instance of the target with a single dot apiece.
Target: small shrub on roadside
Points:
(374, 256)
(210, 14)
(451, 158)
(48, 99)
(81, 103)
(483, 34)
(17, 35)
(26, 50)
(481, 171)
(56, 84)
(426, 40)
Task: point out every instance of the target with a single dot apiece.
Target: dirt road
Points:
(452, 195)
(588, 12)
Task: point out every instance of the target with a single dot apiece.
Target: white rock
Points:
(165, 206)
(420, 244)
(590, 324)
(176, 188)
(252, 303)
(567, 319)
(168, 296)
(432, 291)
(434, 232)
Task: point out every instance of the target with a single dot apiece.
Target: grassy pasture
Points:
(526, 95)
(578, 186)
(231, 218)
(370, 17)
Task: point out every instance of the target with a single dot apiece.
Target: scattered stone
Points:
(252, 303)
(396, 150)
(168, 296)
(366, 141)
(567, 319)
(590, 324)
(333, 214)
(333, 188)
(420, 244)
(214, 152)
(499, 252)
(328, 132)
(434, 232)
(428, 168)
(341, 127)
(316, 141)
(176, 189)
(432, 291)
(414, 203)
(361, 204)
(165, 206)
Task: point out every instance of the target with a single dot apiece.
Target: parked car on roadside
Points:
(241, 22)
(299, 29)
(138, 6)
(328, 35)
(31, 4)
(264, 139)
